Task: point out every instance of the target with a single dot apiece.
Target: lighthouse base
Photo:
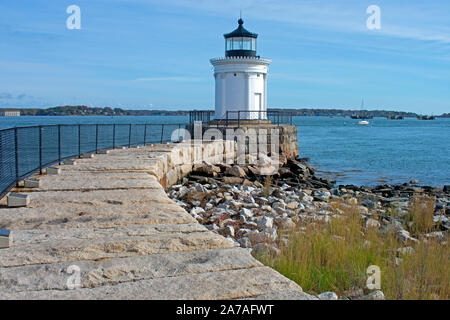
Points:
(281, 139)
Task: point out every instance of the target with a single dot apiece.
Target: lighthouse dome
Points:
(240, 42)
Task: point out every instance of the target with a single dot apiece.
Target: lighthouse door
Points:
(258, 103)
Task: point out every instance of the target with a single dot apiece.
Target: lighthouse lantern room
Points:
(241, 78)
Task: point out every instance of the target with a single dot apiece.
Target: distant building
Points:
(10, 113)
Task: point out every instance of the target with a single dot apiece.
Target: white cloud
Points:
(400, 19)
(180, 79)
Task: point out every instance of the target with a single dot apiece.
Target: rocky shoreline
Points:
(251, 208)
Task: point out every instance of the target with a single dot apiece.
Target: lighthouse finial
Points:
(240, 21)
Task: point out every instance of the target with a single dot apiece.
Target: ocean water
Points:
(386, 151)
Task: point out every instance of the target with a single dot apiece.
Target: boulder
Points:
(232, 180)
(405, 236)
(248, 185)
(292, 205)
(264, 248)
(279, 206)
(270, 234)
(376, 295)
(264, 160)
(322, 195)
(328, 296)
(254, 171)
(206, 168)
(286, 173)
(223, 166)
(245, 242)
(200, 188)
(369, 204)
(247, 213)
(268, 171)
(372, 223)
(286, 223)
(265, 222)
(235, 171)
(227, 231)
(196, 211)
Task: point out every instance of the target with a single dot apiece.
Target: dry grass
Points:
(267, 184)
(335, 256)
(420, 218)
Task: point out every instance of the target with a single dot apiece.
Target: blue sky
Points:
(145, 54)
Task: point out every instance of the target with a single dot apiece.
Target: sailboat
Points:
(363, 121)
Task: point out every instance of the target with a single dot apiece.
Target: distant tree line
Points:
(88, 111)
(108, 111)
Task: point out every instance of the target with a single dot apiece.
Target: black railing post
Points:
(79, 141)
(162, 133)
(59, 144)
(145, 135)
(114, 136)
(227, 118)
(40, 149)
(129, 137)
(239, 119)
(16, 152)
(96, 138)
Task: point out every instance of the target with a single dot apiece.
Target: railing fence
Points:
(27, 150)
(276, 117)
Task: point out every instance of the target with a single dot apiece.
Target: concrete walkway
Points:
(110, 218)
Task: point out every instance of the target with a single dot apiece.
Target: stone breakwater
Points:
(239, 203)
(108, 222)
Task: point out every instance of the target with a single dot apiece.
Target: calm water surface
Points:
(386, 151)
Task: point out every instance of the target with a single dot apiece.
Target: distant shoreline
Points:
(107, 111)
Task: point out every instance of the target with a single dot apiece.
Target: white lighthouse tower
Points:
(241, 78)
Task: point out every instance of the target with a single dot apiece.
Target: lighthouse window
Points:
(241, 44)
(236, 43)
(229, 45)
(246, 44)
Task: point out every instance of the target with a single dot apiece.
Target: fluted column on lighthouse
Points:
(264, 104)
(247, 115)
(223, 101)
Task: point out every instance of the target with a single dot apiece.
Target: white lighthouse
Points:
(241, 78)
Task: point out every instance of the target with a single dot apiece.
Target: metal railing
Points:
(200, 115)
(276, 117)
(27, 150)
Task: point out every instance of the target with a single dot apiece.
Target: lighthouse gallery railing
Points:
(276, 117)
